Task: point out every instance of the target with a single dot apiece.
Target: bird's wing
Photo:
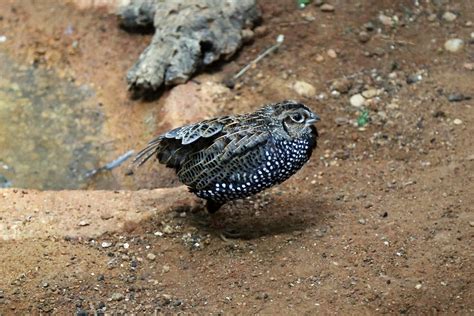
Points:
(238, 149)
(172, 147)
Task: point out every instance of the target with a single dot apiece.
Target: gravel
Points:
(304, 89)
(357, 100)
(454, 45)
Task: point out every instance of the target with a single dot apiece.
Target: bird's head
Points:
(296, 118)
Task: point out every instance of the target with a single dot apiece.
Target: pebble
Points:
(370, 93)
(457, 97)
(247, 35)
(449, 16)
(165, 269)
(362, 221)
(357, 100)
(363, 37)
(304, 89)
(151, 256)
(3, 38)
(454, 45)
(386, 20)
(84, 223)
(471, 223)
(332, 53)
(106, 244)
(342, 85)
(457, 121)
(117, 297)
(432, 17)
(327, 8)
(319, 58)
(411, 79)
(418, 286)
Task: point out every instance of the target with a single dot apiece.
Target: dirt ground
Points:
(381, 220)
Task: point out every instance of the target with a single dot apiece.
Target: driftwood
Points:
(188, 34)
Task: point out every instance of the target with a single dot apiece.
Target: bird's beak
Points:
(313, 119)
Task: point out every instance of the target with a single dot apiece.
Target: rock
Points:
(188, 103)
(318, 3)
(3, 38)
(304, 89)
(261, 31)
(319, 58)
(332, 53)
(418, 286)
(327, 8)
(386, 20)
(165, 269)
(454, 45)
(247, 35)
(363, 37)
(369, 26)
(117, 297)
(151, 256)
(457, 97)
(449, 16)
(370, 93)
(457, 121)
(432, 17)
(342, 85)
(411, 79)
(362, 221)
(207, 32)
(469, 66)
(106, 244)
(357, 100)
(471, 223)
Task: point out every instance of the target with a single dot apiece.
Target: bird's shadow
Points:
(248, 222)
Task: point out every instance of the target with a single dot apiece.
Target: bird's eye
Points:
(297, 117)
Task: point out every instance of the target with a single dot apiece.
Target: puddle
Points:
(50, 129)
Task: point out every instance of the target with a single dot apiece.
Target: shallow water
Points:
(50, 129)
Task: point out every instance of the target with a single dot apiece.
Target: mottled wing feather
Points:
(214, 162)
(173, 147)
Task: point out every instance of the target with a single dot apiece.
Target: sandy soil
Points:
(379, 221)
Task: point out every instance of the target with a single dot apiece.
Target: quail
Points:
(233, 157)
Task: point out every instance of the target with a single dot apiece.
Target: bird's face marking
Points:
(297, 119)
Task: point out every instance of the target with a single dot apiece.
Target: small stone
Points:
(165, 269)
(332, 53)
(457, 121)
(342, 85)
(319, 58)
(418, 286)
(471, 223)
(369, 26)
(457, 97)
(84, 223)
(117, 297)
(454, 45)
(304, 89)
(3, 38)
(469, 66)
(370, 93)
(106, 244)
(247, 35)
(362, 221)
(432, 17)
(363, 37)
(449, 16)
(318, 3)
(327, 8)
(386, 20)
(357, 100)
(126, 245)
(168, 229)
(261, 31)
(45, 284)
(151, 256)
(411, 79)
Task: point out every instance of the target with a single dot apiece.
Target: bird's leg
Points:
(217, 222)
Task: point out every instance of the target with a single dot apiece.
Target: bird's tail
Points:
(146, 153)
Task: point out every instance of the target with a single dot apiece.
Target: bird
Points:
(235, 156)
